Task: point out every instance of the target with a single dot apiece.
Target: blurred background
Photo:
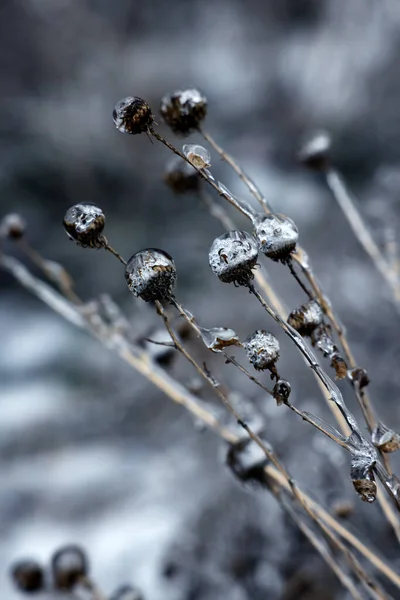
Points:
(89, 451)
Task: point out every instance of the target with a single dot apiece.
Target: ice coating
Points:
(314, 152)
(184, 110)
(277, 236)
(84, 223)
(219, 338)
(197, 155)
(262, 349)
(363, 479)
(281, 391)
(306, 318)
(385, 439)
(132, 115)
(151, 275)
(232, 257)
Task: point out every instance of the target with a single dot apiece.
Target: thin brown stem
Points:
(114, 252)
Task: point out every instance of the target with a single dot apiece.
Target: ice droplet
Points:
(197, 155)
(219, 338)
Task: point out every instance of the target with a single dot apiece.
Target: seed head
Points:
(151, 275)
(359, 377)
(385, 439)
(69, 565)
(28, 576)
(232, 257)
(315, 151)
(363, 479)
(306, 318)
(181, 177)
(277, 236)
(281, 391)
(133, 115)
(262, 349)
(247, 462)
(84, 224)
(184, 111)
(12, 226)
(126, 592)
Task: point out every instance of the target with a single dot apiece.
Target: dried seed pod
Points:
(28, 576)
(277, 236)
(219, 338)
(133, 115)
(184, 111)
(151, 275)
(363, 479)
(84, 224)
(315, 151)
(181, 177)
(126, 592)
(339, 364)
(247, 462)
(12, 226)
(197, 155)
(281, 391)
(385, 439)
(359, 377)
(232, 257)
(306, 318)
(262, 349)
(69, 566)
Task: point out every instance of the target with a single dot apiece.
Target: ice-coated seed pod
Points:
(133, 115)
(218, 339)
(281, 391)
(232, 257)
(12, 226)
(197, 155)
(277, 236)
(84, 223)
(306, 318)
(363, 479)
(262, 349)
(247, 462)
(359, 377)
(385, 439)
(184, 111)
(151, 275)
(28, 576)
(126, 592)
(69, 566)
(181, 177)
(315, 151)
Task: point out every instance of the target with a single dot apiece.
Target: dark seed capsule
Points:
(281, 391)
(277, 236)
(262, 349)
(232, 257)
(151, 275)
(69, 566)
(315, 151)
(339, 364)
(247, 462)
(363, 479)
(385, 439)
(84, 224)
(359, 377)
(12, 226)
(133, 115)
(306, 318)
(181, 177)
(184, 111)
(126, 592)
(28, 576)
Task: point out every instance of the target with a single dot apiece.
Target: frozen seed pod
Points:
(84, 223)
(197, 155)
(315, 151)
(247, 462)
(306, 318)
(281, 391)
(218, 339)
(359, 377)
(12, 226)
(28, 576)
(232, 257)
(339, 364)
(126, 592)
(181, 177)
(151, 275)
(133, 115)
(184, 111)
(277, 236)
(69, 566)
(363, 479)
(262, 349)
(385, 439)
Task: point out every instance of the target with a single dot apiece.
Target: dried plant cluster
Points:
(238, 257)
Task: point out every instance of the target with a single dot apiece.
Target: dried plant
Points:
(235, 258)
